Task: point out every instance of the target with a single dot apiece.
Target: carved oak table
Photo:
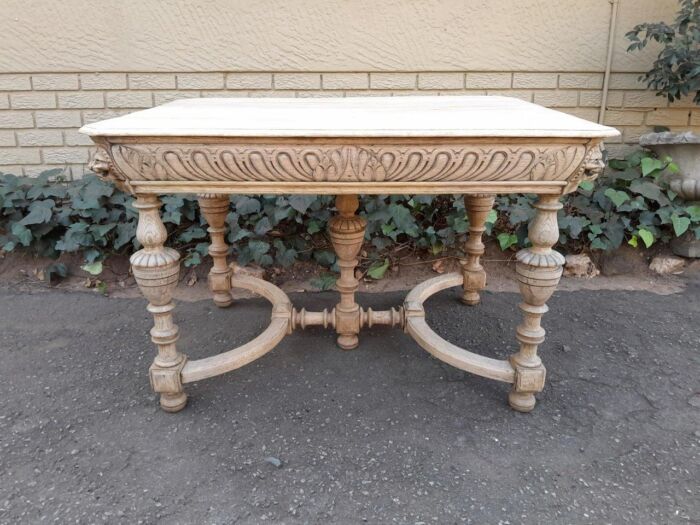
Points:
(475, 146)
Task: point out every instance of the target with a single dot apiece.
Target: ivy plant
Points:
(631, 204)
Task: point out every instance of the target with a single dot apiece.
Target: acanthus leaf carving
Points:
(346, 163)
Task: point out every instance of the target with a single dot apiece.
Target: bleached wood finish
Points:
(418, 328)
(477, 146)
(215, 208)
(539, 269)
(157, 269)
(478, 207)
(279, 326)
(347, 231)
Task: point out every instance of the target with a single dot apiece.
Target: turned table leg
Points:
(156, 269)
(215, 208)
(478, 207)
(539, 269)
(347, 232)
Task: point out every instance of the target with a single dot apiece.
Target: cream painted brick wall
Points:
(489, 80)
(7, 138)
(103, 80)
(41, 113)
(535, 80)
(129, 99)
(249, 81)
(393, 80)
(441, 81)
(297, 80)
(151, 81)
(162, 97)
(40, 137)
(15, 82)
(581, 81)
(33, 100)
(557, 99)
(19, 156)
(643, 99)
(695, 118)
(73, 155)
(81, 100)
(668, 117)
(55, 81)
(200, 81)
(16, 119)
(345, 80)
(63, 118)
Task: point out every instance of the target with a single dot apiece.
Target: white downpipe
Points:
(614, 5)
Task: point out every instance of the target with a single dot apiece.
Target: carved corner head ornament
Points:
(591, 168)
(103, 166)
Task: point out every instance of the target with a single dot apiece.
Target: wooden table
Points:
(476, 146)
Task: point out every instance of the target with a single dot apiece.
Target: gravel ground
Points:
(382, 434)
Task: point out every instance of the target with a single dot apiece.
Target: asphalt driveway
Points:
(382, 434)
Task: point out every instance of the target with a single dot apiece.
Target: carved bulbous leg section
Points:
(347, 231)
(539, 269)
(215, 208)
(156, 269)
(478, 207)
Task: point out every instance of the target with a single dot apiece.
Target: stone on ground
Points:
(580, 265)
(667, 264)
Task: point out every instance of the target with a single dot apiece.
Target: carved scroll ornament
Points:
(346, 163)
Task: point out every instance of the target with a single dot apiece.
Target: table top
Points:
(404, 117)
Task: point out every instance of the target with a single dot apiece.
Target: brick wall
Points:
(41, 113)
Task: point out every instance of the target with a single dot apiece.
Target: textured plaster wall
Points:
(313, 35)
(68, 63)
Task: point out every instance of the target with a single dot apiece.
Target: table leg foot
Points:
(173, 402)
(539, 269)
(215, 208)
(521, 401)
(478, 207)
(348, 342)
(347, 231)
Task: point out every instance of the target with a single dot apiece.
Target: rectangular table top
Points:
(418, 144)
(412, 116)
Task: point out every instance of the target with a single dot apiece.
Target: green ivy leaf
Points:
(23, 234)
(633, 241)
(586, 185)
(680, 224)
(646, 236)
(616, 196)
(191, 233)
(650, 165)
(246, 205)
(378, 269)
(323, 282)
(193, 258)
(313, 227)
(403, 220)
(324, 258)
(262, 226)
(492, 217)
(39, 212)
(94, 268)
(301, 203)
(694, 212)
(506, 240)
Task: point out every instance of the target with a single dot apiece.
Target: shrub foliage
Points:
(631, 203)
